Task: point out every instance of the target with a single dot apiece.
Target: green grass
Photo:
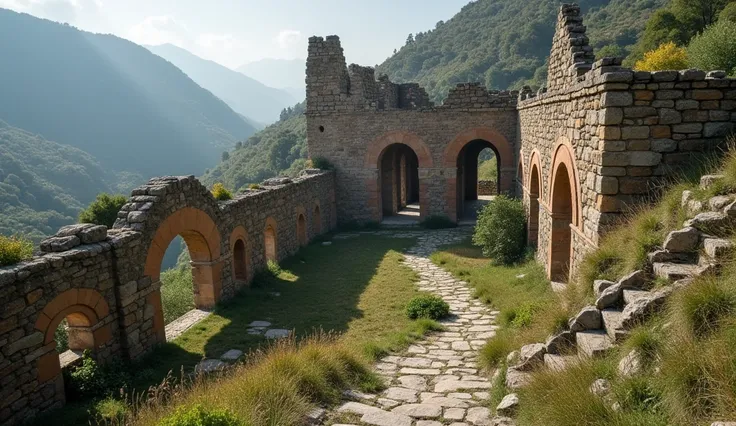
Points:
(355, 287)
(530, 310)
(177, 293)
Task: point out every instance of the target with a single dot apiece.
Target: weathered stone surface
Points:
(710, 222)
(560, 342)
(276, 333)
(601, 387)
(384, 418)
(59, 244)
(682, 241)
(719, 202)
(600, 285)
(479, 416)
(419, 411)
(516, 379)
(630, 365)
(93, 234)
(531, 356)
(508, 405)
(642, 308)
(357, 408)
(708, 180)
(209, 366)
(635, 279)
(611, 296)
(232, 355)
(717, 248)
(589, 318)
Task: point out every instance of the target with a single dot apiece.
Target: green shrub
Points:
(501, 230)
(427, 306)
(197, 415)
(103, 210)
(254, 186)
(14, 249)
(111, 411)
(438, 222)
(221, 193)
(92, 380)
(715, 48)
(322, 164)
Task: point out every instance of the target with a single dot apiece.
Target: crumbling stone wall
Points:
(627, 130)
(351, 130)
(105, 283)
(487, 187)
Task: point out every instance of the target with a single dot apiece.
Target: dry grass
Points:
(277, 386)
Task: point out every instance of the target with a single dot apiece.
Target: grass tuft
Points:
(14, 249)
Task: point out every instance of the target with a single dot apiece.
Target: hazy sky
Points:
(233, 32)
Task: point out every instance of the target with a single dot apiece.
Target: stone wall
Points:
(351, 130)
(624, 130)
(487, 187)
(105, 283)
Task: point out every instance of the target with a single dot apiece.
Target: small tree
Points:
(666, 57)
(221, 193)
(103, 210)
(225, 155)
(715, 48)
(501, 230)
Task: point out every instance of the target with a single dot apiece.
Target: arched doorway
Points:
(241, 254)
(301, 230)
(533, 225)
(399, 183)
(565, 212)
(198, 272)
(270, 240)
(477, 162)
(316, 221)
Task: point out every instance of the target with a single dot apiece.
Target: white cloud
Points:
(287, 38)
(155, 30)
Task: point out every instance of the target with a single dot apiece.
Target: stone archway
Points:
(534, 191)
(565, 211)
(301, 227)
(270, 240)
(316, 220)
(398, 159)
(203, 242)
(85, 311)
(240, 249)
(461, 155)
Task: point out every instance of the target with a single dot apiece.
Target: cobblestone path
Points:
(436, 381)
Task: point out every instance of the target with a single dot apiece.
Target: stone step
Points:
(612, 324)
(593, 343)
(675, 271)
(559, 362)
(631, 295)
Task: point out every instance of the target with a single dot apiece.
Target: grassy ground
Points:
(177, 296)
(356, 287)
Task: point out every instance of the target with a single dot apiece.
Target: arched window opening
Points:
(240, 260)
(317, 221)
(399, 185)
(270, 243)
(301, 230)
(533, 225)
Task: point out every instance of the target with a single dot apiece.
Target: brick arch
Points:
(241, 262)
(84, 310)
(377, 147)
(271, 239)
(302, 231)
(563, 154)
(534, 162)
(203, 241)
(500, 144)
(316, 218)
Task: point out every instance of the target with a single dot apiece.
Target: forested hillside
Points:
(129, 108)
(43, 184)
(505, 43)
(245, 95)
(280, 148)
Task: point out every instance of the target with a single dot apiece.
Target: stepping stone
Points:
(454, 414)
(461, 346)
(387, 403)
(419, 411)
(455, 385)
(593, 343)
(357, 395)
(260, 324)
(416, 362)
(413, 382)
(460, 395)
(401, 394)
(433, 423)
(384, 418)
(420, 371)
(356, 408)
(479, 416)
(277, 333)
(231, 355)
(209, 365)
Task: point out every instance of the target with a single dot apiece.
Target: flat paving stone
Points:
(276, 333)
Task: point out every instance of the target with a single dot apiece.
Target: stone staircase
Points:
(698, 248)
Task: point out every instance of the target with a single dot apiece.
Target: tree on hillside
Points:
(103, 210)
(698, 14)
(715, 48)
(279, 157)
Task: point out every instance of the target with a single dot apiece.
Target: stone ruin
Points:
(598, 140)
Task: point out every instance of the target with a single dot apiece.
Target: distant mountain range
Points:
(286, 74)
(245, 95)
(127, 107)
